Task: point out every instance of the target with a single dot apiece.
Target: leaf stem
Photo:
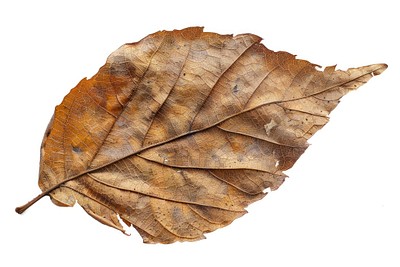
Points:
(23, 208)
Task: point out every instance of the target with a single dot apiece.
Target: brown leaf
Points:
(179, 132)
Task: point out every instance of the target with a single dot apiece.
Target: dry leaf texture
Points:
(179, 132)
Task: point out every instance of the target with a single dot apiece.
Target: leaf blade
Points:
(178, 133)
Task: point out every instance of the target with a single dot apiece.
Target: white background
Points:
(341, 204)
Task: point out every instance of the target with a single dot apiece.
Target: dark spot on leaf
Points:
(122, 67)
(76, 149)
(235, 89)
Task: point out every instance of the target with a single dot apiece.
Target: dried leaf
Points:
(179, 132)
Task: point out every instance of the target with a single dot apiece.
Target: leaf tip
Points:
(380, 68)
